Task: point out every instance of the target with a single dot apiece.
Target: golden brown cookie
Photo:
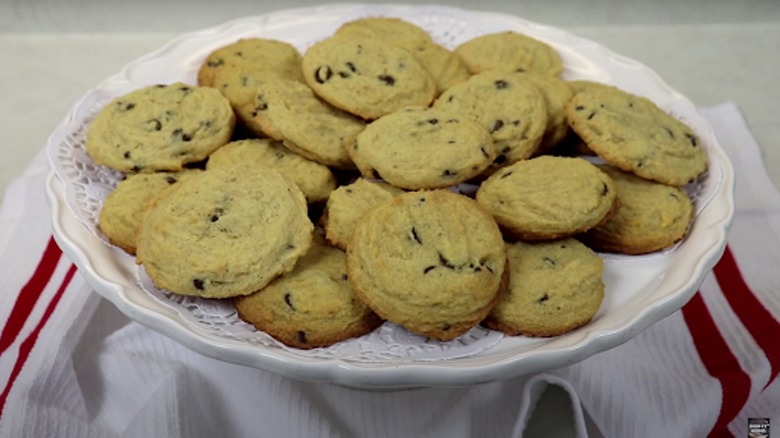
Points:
(549, 197)
(633, 134)
(423, 148)
(554, 287)
(289, 111)
(430, 261)
(123, 210)
(160, 128)
(261, 54)
(312, 306)
(225, 232)
(511, 108)
(652, 216)
(348, 203)
(315, 180)
(366, 77)
(510, 52)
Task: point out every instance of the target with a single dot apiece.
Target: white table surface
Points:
(709, 50)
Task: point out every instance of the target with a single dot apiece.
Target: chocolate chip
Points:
(186, 137)
(579, 108)
(323, 74)
(387, 79)
(446, 263)
(302, 337)
(288, 301)
(505, 175)
(448, 173)
(344, 277)
(446, 327)
(351, 67)
(428, 269)
(669, 131)
(125, 106)
(126, 154)
(155, 124)
(692, 139)
(501, 84)
(501, 159)
(170, 180)
(451, 141)
(451, 121)
(591, 115)
(450, 98)
(543, 298)
(433, 121)
(415, 236)
(484, 152)
(136, 169)
(604, 189)
(515, 122)
(344, 74)
(216, 62)
(498, 124)
(198, 283)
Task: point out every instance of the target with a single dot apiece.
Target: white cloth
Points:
(71, 365)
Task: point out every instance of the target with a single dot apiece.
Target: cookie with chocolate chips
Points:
(366, 77)
(312, 306)
(348, 203)
(430, 261)
(423, 148)
(633, 134)
(160, 128)
(237, 82)
(123, 210)
(444, 66)
(315, 180)
(225, 232)
(510, 107)
(290, 112)
(549, 197)
(259, 54)
(652, 216)
(555, 287)
(510, 52)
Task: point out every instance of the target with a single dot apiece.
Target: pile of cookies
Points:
(381, 176)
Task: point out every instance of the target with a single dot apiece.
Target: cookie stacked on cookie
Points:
(382, 176)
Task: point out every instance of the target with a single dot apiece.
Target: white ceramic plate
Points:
(640, 290)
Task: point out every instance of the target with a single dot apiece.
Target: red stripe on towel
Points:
(763, 327)
(30, 294)
(28, 344)
(719, 361)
